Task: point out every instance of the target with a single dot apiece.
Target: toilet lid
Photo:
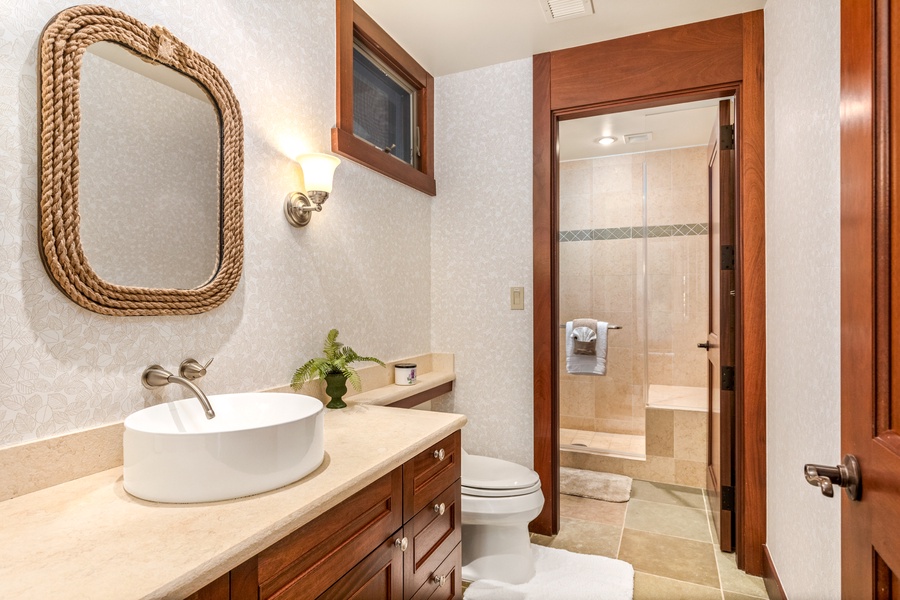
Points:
(486, 476)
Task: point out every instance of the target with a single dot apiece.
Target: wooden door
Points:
(870, 308)
(721, 339)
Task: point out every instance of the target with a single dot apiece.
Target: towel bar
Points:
(563, 326)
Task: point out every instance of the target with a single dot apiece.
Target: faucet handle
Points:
(155, 376)
(192, 370)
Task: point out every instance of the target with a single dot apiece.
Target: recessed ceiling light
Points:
(606, 140)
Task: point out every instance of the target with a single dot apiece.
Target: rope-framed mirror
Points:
(68, 175)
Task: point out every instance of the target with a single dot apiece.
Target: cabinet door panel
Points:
(308, 561)
(432, 536)
(429, 473)
(378, 577)
(220, 589)
(445, 583)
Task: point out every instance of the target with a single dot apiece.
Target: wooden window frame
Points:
(354, 23)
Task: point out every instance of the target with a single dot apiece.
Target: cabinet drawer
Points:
(378, 577)
(307, 562)
(429, 473)
(451, 572)
(432, 535)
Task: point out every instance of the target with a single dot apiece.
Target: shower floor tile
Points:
(602, 442)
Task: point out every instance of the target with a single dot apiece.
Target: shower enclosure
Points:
(634, 252)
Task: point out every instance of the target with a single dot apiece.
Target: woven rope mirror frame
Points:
(62, 47)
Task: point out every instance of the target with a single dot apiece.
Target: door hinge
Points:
(726, 137)
(727, 379)
(727, 258)
(727, 497)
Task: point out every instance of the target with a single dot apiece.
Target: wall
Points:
(803, 290)
(481, 246)
(363, 265)
(602, 260)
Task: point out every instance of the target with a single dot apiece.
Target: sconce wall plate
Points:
(294, 203)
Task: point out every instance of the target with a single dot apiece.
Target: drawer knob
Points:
(439, 454)
(439, 580)
(402, 543)
(440, 508)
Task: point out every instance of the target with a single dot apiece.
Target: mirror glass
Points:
(148, 189)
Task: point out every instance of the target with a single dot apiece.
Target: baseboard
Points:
(773, 585)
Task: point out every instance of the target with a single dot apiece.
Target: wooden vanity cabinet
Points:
(396, 539)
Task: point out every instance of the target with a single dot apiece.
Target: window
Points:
(385, 102)
(383, 107)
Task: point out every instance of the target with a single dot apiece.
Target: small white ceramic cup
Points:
(405, 373)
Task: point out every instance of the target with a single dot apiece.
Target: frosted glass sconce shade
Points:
(318, 171)
(318, 177)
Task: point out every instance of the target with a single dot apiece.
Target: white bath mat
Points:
(592, 484)
(563, 575)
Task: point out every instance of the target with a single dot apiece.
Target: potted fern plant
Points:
(334, 367)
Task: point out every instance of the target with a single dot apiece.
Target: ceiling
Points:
(449, 36)
(674, 126)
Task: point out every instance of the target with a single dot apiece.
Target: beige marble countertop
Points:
(89, 539)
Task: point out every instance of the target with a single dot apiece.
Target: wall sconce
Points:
(318, 173)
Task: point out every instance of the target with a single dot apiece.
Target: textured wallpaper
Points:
(481, 246)
(803, 289)
(148, 191)
(363, 265)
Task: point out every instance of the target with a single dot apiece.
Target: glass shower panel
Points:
(677, 276)
(601, 270)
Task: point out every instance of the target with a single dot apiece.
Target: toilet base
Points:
(497, 552)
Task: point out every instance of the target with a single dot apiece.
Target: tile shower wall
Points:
(601, 261)
(363, 265)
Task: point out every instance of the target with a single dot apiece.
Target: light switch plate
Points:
(517, 298)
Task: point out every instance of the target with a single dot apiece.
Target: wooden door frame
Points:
(716, 58)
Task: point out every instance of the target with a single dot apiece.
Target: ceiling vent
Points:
(634, 138)
(560, 10)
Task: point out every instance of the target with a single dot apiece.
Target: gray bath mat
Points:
(591, 484)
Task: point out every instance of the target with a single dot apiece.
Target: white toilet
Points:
(499, 499)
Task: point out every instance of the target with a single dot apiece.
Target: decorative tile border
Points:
(624, 233)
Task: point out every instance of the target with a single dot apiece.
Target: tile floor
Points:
(665, 532)
(613, 444)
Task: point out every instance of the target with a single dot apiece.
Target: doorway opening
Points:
(635, 210)
(634, 253)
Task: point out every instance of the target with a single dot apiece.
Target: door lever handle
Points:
(845, 475)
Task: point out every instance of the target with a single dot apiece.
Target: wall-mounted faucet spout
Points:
(155, 376)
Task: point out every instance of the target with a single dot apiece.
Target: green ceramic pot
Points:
(336, 387)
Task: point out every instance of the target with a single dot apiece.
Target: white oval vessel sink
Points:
(257, 442)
